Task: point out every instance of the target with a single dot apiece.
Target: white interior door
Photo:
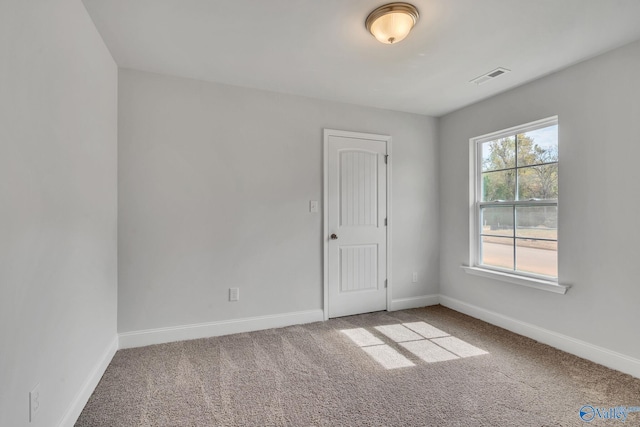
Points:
(355, 222)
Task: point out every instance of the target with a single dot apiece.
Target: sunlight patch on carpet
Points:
(398, 333)
(426, 330)
(421, 339)
(387, 357)
(378, 350)
(362, 337)
(428, 351)
(459, 347)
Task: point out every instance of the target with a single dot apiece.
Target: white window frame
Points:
(475, 192)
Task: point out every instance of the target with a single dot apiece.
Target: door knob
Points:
(334, 237)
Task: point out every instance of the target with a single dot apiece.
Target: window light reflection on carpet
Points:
(421, 339)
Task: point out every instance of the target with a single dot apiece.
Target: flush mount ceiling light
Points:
(392, 22)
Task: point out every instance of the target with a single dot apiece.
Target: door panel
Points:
(356, 212)
(358, 188)
(358, 267)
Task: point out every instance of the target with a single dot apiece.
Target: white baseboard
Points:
(594, 353)
(414, 302)
(212, 329)
(77, 405)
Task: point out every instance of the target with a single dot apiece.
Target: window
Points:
(514, 222)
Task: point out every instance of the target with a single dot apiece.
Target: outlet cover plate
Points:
(34, 402)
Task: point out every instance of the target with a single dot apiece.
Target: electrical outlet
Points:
(234, 294)
(34, 402)
(415, 277)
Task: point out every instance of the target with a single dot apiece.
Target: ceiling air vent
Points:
(489, 76)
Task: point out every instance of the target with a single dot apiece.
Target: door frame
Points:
(325, 208)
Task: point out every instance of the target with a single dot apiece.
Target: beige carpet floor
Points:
(456, 371)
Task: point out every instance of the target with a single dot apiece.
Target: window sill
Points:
(530, 282)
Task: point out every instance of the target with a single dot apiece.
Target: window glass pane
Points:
(499, 185)
(497, 221)
(538, 182)
(536, 256)
(537, 222)
(499, 154)
(513, 170)
(497, 252)
(538, 146)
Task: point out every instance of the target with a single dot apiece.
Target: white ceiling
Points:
(321, 48)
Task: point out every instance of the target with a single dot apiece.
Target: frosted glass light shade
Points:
(392, 22)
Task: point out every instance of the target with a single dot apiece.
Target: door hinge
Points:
(386, 159)
(385, 221)
(385, 283)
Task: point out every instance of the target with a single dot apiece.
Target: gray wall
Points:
(58, 212)
(598, 106)
(214, 190)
